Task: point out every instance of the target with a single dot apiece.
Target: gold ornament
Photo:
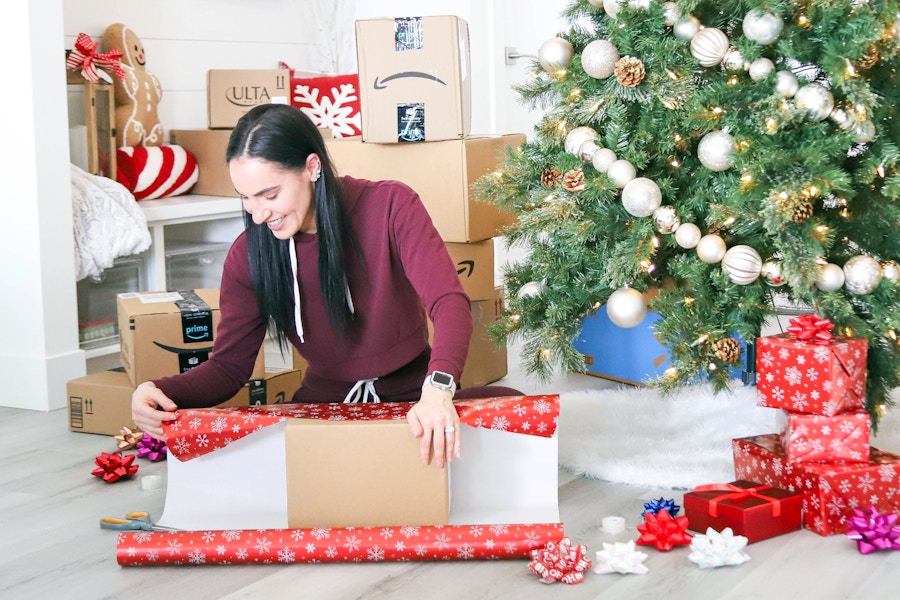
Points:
(869, 58)
(550, 177)
(803, 209)
(728, 350)
(629, 71)
(128, 438)
(573, 180)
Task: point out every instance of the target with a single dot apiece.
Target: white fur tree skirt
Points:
(643, 437)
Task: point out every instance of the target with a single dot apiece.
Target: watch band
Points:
(442, 381)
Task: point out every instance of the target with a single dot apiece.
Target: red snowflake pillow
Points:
(331, 101)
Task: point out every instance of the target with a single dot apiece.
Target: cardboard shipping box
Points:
(165, 333)
(414, 78)
(442, 173)
(231, 93)
(208, 147)
(275, 387)
(475, 267)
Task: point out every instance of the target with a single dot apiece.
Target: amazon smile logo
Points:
(380, 84)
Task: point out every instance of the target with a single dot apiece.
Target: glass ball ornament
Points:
(686, 29)
(555, 54)
(709, 46)
(843, 118)
(716, 150)
(865, 132)
(587, 151)
(620, 172)
(830, 277)
(862, 274)
(711, 248)
(890, 270)
(577, 137)
(742, 263)
(626, 308)
(771, 273)
(670, 14)
(612, 6)
(532, 289)
(597, 3)
(599, 59)
(641, 196)
(762, 27)
(760, 69)
(666, 219)
(734, 60)
(816, 100)
(688, 235)
(602, 159)
(786, 84)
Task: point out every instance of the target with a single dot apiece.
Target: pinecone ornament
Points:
(550, 177)
(803, 209)
(573, 180)
(629, 71)
(869, 59)
(728, 350)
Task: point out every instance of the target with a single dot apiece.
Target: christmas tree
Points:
(724, 155)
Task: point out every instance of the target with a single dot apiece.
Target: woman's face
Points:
(280, 198)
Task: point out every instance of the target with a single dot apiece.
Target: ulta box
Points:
(231, 93)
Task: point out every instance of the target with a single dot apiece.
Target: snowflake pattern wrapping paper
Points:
(831, 491)
(461, 542)
(331, 101)
(811, 378)
(819, 438)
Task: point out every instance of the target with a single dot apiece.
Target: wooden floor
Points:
(52, 547)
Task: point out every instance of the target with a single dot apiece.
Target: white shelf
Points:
(190, 208)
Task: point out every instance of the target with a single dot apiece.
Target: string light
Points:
(747, 178)
(700, 341)
(803, 21)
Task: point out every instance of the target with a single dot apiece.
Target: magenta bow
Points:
(811, 328)
(151, 448)
(874, 531)
(84, 56)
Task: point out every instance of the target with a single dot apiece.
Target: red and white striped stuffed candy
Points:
(151, 172)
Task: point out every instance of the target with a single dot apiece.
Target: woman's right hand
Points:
(146, 403)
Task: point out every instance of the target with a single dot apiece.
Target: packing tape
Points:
(151, 482)
(613, 525)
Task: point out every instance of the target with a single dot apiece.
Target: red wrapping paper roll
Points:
(376, 544)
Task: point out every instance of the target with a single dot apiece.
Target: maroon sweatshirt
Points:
(406, 271)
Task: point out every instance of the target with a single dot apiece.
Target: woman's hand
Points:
(434, 421)
(145, 404)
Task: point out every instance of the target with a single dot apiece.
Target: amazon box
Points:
(275, 387)
(100, 402)
(231, 93)
(475, 267)
(166, 333)
(414, 78)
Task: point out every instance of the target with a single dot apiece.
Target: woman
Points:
(366, 263)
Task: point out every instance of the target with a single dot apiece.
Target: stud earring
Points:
(315, 175)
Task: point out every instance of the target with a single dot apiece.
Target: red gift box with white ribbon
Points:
(819, 438)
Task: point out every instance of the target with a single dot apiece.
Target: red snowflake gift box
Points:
(755, 511)
(819, 438)
(801, 376)
(331, 101)
(830, 490)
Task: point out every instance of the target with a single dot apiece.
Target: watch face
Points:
(441, 378)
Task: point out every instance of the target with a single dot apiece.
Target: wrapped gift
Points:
(809, 371)
(755, 511)
(830, 490)
(819, 438)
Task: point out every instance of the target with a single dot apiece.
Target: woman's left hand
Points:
(434, 421)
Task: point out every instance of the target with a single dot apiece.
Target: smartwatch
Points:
(441, 380)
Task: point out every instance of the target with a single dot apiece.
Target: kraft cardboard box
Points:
(100, 402)
(385, 486)
(231, 93)
(475, 266)
(442, 173)
(275, 387)
(208, 147)
(165, 333)
(414, 78)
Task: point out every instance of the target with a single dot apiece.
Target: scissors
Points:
(133, 521)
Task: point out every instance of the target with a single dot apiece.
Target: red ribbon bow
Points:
(563, 561)
(663, 532)
(737, 494)
(811, 328)
(84, 56)
(112, 467)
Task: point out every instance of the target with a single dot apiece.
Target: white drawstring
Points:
(298, 323)
(363, 391)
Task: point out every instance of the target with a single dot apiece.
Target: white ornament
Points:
(602, 159)
(865, 132)
(711, 248)
(718, 549)
(577, 137)
(743, 264)
(734, 60)
(670, 13)
(532, 289)
(587, 151)
(862, 274)
(709, 46)
(620, 172)
(843, 118)
(626, 308)
(716, 150)
(890, 270)
(597, 3)
(760, 69)
(786, 84)
(771, 273)
(620, 557)
(555, 54)
(666, 219)
(830, 277)
(686, 29)
(816, 100)
(762, 27)
(612, 6)
(641, 197)
(688, 235)
(599, 59)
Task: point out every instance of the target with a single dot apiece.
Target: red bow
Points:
(84, 55)
(112, 467)
(812, 328)
(737, 494)
(664, 532)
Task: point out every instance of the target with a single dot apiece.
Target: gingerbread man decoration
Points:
(137, 95)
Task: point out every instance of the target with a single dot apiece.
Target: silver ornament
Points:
(816, 100)
(666, 219)
(786, 84)
(587, 151)
(865, 132)
(771, 273)
(709, 46)
(620, 172)
(577, 137)
(641, 196)
(742, 263)
(602, 159)
(555, 54)
(686, 29)
(734, 60)
(890, 270)
(599, 59)
(843, 118)
(762, 27)
(670, 13)
(532, 289)
(830, 277)
(688, 235)
(760, 69)
(862, 274)
(716, 150)
(626, 308)
(597, 3)
(711, 248)
(612, 6)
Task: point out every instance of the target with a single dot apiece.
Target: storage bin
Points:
(97, 318)
(195, 265)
